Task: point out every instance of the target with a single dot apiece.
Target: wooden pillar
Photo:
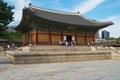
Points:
(49, 38)
(61, 36)
(93, 38)
(76, 38)
(85, 39)
(24, 40)
(36, 37)
(27, 36)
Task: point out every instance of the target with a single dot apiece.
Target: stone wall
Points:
(37, 57)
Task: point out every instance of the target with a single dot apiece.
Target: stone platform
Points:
(50, 54)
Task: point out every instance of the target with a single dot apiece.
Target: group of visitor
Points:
(67, 43)
(90, 43)
(8, 47)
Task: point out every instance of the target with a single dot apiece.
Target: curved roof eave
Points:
(70, 18)
(22, 25)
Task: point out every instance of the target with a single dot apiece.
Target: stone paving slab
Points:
(86, 70)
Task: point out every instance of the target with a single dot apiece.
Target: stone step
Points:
(4, 59)
(54, 48)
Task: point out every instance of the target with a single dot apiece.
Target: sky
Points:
(101, 10)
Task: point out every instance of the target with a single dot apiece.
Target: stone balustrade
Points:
(55, 48)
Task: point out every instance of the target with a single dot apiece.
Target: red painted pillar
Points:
(28, 38)
(61, 36)
(85, 38)
(76, 38)
(24, 39)
(93, 38)
(36, 37)
(49, 38)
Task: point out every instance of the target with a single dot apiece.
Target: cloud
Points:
(87, 6)
(19, 5)
(115, 28)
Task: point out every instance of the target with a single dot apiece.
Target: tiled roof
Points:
(69, 18)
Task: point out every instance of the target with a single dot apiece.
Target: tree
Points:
(6, 15)
(12, 35)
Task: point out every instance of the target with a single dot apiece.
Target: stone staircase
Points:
(4, 59)
(115, 53)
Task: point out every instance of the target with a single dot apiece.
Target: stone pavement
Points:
(3, 59)
(85, 70)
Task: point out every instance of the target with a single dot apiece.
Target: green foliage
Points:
(111, 38)
(11, 35)
(6, 14)
(119, 38)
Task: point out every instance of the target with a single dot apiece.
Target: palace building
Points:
(48, 27)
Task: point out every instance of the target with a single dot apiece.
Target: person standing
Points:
(66, 43)
(8, 47)
(92, 43)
